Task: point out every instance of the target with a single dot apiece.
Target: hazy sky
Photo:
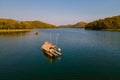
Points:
(59, 12)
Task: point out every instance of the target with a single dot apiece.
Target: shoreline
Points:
(115, 30)
(16, 30)
(111, 30)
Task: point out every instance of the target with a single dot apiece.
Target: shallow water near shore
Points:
(86, 55)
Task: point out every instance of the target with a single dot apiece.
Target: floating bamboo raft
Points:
(50, 49)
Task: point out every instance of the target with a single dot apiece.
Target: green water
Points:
(87, 55)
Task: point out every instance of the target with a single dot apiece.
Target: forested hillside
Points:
(104, 24)
(77, 25)
(14, 24)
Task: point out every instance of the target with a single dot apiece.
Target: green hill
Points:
(109, 23)
(39, 24)
(14, 24)
(77, 25)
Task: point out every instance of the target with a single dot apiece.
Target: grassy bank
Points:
(15, 30)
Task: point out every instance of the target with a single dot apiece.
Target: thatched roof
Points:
(47, 45)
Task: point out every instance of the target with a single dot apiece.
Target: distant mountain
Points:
(14, 24)
(80, 25)
(40, 24)
(109, 23)
(77, 25)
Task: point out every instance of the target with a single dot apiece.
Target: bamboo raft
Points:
(51, 49)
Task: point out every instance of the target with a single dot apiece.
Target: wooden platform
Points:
(50, 49)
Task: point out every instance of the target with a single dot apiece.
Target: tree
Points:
(107, 23)
(13, 24)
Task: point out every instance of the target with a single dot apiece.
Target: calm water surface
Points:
(87, 55)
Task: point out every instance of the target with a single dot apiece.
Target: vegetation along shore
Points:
(15, 30)
(14, 25)
(107, 24)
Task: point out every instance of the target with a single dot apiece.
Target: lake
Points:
(86, 55)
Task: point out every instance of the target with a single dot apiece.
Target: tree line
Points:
(14, 24)
(77, 25)
(103, 24)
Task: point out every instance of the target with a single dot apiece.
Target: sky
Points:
(59, 12)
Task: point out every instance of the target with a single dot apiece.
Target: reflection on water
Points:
(87, 55)
(13, 33)
(52, 59)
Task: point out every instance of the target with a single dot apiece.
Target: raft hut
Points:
(50, 49)
(36, 33)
